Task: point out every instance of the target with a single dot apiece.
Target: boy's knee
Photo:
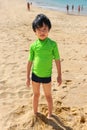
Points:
(48, 97)
(36, 95)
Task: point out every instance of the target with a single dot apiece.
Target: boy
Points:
(42, 52)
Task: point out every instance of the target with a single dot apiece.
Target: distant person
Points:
(72, 7)
(28, 5)
(79, 9)
(67, 7)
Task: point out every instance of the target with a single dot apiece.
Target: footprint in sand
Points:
(21, 93)
(83, 119)
(68, 82)
(65, 109)
(19, 111)
(14, 127)
(66, 70)
(3, 81)
(58, 103)
(26, 50)
(3, 95)
(64, 86)
(33, 121)
(44, 109)
(55, 89)
(85, 57)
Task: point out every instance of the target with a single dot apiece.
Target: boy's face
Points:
(42, 32)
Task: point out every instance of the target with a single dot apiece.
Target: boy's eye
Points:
(42, 30)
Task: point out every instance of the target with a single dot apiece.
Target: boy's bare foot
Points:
(49, 116)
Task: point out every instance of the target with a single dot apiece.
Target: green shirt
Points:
(42, 53)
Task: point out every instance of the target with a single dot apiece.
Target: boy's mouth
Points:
(42, 35)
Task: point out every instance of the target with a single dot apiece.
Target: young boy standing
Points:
(41, 55)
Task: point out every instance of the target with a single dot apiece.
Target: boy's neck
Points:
(43, 39)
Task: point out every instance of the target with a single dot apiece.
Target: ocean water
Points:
(60, 5)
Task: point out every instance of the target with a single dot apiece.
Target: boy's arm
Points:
(58, 66)
(29, 64)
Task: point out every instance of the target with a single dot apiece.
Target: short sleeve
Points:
(31, 54)
(56, 54)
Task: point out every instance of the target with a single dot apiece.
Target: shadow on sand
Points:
(54, 121)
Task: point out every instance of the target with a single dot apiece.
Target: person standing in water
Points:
(28, 5)
(67, 7)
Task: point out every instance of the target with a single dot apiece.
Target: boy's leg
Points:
(36, 94)
(47, 91)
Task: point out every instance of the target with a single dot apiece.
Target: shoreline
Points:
(63, 10)
(59, 12)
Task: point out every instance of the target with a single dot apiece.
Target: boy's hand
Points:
(28, 82)
(59, 80)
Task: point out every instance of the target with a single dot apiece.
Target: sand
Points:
(70, 99)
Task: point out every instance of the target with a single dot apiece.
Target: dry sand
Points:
(70, 99)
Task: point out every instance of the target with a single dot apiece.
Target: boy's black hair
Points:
(39, 21)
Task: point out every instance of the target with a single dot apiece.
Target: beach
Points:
(69, 99)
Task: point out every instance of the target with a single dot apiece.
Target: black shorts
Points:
(40, 79)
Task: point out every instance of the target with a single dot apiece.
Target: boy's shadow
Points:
(54, 121)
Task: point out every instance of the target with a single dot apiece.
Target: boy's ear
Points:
(34, 31)
(49, 30)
